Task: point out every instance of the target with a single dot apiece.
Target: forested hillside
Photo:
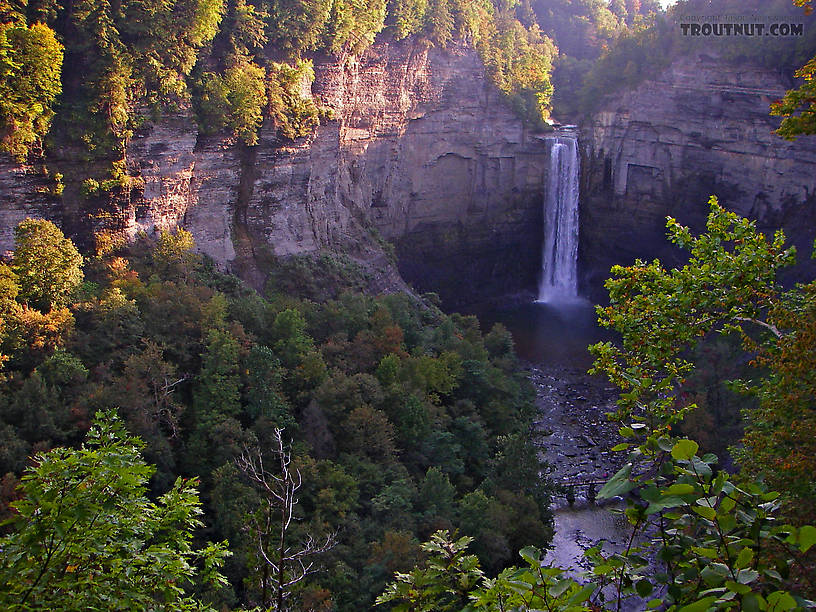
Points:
(402, 420)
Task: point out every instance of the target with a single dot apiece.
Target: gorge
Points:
(244, 242)
(423, 153)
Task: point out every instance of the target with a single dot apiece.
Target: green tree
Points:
(30, 81)
(47, 264)
(798, 106)
(85, 536)
(234, 100)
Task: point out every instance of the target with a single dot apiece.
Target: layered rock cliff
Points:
(421, 151)
(701, 128)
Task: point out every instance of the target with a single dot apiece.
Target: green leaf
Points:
(665, 444)
(709, 553)
(714, 574)
(560, 587)
(619, 484)
(727, 504)
(683, 450)
(621, 447)
(807, 537)
(680, 489)
(699, 606)
(747, 576)
(666, 502)
(644, 588)
(744, 558)
(531, 555)
(583, 595)
(753, 602)
(705, 512)
(781, 600)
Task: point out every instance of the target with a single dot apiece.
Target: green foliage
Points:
(85, 536)
(297, 25)
(385, 396)
(174, 252)
(353, 24)
(451, 580)
(30, 71)
(406, 17)
(519, 62)
(46, 264)
(730, 279)
(293, 114)
(234, 100)
(798, 106)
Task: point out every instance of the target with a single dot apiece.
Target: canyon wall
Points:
(421, 151)
(701, 128)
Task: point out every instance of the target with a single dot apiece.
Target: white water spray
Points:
(559, 262)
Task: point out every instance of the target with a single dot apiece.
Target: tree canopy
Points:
(86, 536)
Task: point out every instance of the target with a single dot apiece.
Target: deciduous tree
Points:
(87, 537)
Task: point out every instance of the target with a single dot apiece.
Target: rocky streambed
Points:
(575, 435)
(572, 426)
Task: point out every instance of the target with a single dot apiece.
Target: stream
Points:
(572, 429)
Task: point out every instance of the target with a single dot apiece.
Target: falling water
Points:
(559, 262)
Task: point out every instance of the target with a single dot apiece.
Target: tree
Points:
(30, 72)
(801, 100)
(47, 264)
(87, 537)
(283, 565)
(722, 543)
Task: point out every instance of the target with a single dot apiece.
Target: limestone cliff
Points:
(421, 151)
(700, 128)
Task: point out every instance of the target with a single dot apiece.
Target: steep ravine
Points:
(422, 151)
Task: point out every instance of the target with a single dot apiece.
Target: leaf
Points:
(807, 537)
(531, 555)
(666, 502)
(780, 600)
(747, 576)
(680, 489)
(644, 588)
(683, 450)
(714, 574)
(619, 484)
(705, 512)
(621, 447)
(744, 558)
(560, 587)
(699, 606)
(583, 595)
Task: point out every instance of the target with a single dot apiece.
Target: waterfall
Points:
(559, 261)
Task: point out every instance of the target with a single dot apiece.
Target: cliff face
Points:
(421, 151)
(700, 128)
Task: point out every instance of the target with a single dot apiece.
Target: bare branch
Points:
(773, 328)
(288, 566)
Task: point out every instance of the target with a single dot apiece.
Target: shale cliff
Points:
(700, 128)
(421, 151)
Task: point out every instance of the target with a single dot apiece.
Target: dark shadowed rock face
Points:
(421, 152)
(702, 128)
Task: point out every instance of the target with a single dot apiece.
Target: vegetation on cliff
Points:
(237, 62)
(650, 45)
(403, 420)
